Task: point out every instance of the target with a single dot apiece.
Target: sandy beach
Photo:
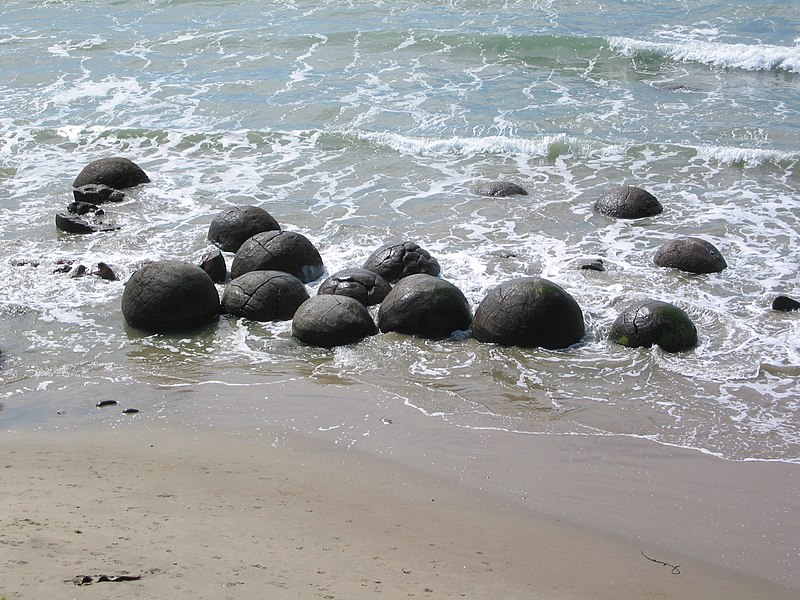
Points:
(209, 513)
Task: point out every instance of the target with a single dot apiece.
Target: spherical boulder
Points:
(169, 295)
(690, 254)
(264, 296)
(396, 260)
(649, 322)
(331, 320)
(367, 287)
(529, 312)
(233, 226)
(628, 202)
(500, 189)
(425, 306)
(278, 251)
(115, 172)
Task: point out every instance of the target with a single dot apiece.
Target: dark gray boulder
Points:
(330, 320)
(396, 260)
(367, 287)
(97, 194)
(115, 172)
(500, 189)
(169, 295)
(213, 263)
(785, 304)
(279, 251)
(233, 226)
(649, 322)
(529, 312)
(628, 202)
(264, 296)
(690, 254)
(70, 223)
(425, 306)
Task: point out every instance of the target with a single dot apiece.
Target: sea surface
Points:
(359, 123)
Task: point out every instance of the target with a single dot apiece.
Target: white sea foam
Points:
(750, 57)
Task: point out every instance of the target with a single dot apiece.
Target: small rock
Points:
(102, 403)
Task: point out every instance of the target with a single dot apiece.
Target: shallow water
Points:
(360, 123)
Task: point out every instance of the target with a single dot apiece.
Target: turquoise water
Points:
(358, 123)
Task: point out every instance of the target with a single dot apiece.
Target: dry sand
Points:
(205, 514)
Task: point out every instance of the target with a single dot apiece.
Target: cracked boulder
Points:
(115, 172)
(396, 260)
(362, 284)
(233, 226)
(425, 306)
(329, 320)
(97, 193)
(690, 254)
(169, 295)
(649, 322)
(264, 296)
(278, 251)
(529, 312)
(628, 202)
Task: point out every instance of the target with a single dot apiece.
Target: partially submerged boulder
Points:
(169, 295)
(367, 287)
(264, 296)
(690, 254)
(529, 312)
(70, 223)
(500, 189)
(330, 320)
(286, 251)
(785, 304)
(213, 263)
(649, 322)
(97, 193)
(628, 202)
(425, 306)
(396, 260)
(115, 172)
(233, 226)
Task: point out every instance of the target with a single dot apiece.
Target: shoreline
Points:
(208, 511)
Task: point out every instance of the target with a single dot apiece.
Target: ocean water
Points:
(357, 123)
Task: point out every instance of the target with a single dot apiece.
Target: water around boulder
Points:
(649, 322)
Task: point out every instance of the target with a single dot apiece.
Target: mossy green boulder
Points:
(649, 322)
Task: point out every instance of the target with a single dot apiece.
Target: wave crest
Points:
(730, 56)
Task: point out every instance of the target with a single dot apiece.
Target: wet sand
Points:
(206, 512)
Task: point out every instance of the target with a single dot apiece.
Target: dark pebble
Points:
(130, 411)
(103, 403)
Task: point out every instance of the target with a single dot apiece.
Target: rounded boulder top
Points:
(115, 172)
(286, 251)
(169, 295)
(690, 254)
(628, 202)
(396, 260)
(364, 285)
(649, 322)
(500, 189)
(425, 306)
(233, 226)
(264, 296)
(330, 320)
(529, 312)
